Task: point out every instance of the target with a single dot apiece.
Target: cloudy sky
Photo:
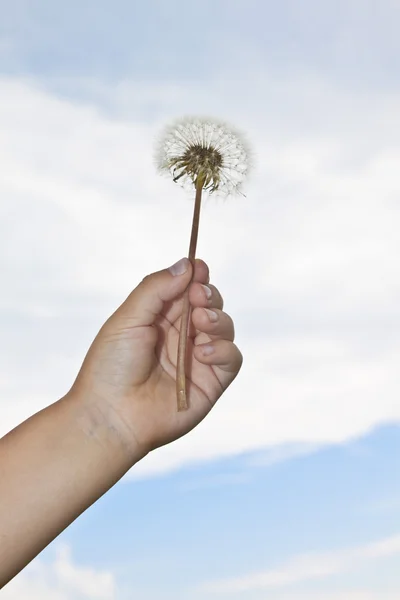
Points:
(291, 488)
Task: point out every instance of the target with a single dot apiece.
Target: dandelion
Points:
(207, 155)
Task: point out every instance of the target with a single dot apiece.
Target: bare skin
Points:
(121, 406)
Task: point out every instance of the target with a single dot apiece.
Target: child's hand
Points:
(129, 373)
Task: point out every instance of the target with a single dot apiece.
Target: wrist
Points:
(101, 422)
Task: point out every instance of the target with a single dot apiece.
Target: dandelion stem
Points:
(186, 309)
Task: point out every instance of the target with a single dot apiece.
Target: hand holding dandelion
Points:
(207, 155)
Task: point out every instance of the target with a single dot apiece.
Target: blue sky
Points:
(290, 490)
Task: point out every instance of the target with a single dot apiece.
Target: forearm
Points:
(52, 468)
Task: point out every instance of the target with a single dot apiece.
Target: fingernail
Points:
(207, 291)
(180, 267)
(211, 315)
(207, 350)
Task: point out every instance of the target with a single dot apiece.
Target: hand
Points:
(129, 372)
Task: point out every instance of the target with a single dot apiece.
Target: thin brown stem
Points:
(183, 333)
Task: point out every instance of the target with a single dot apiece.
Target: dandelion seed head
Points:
(206, 151)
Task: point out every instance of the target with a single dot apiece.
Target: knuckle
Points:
(238, 356)
(146, 279)
(217, 297)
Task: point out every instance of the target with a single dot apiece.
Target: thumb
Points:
(146, 301)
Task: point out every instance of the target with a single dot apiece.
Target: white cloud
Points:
(61, 580)
(281, 453)
(308, 268)
(309, 567)
(359, 594)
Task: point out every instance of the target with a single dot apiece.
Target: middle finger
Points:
(213, 324)
(205, 296)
